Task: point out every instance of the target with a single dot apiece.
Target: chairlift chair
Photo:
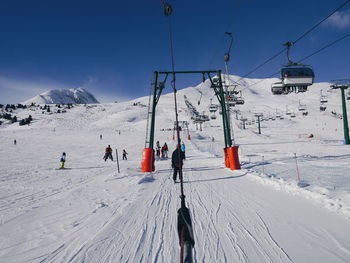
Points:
(213, 117)
(204, 117)
(296, 76)
(323, 99)
(230, 100)
(213, 108)
(323, 107)
(277, 88)
(239, 100)
(302, 107)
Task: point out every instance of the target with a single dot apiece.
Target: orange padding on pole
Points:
(189, 137)
(147, 164)
(233, 157)
(227, 162)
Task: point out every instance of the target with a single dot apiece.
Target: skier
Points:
(165, 150)
(124, 155)
(162, 152)
(158, 150)
(100, 136)
(108, 153)
(177, 162)
(63, 160)
(183, 149)
(15, 142)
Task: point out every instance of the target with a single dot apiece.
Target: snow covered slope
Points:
(91, 213)
(63, 96)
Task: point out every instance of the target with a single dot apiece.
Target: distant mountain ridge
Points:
(64, 96)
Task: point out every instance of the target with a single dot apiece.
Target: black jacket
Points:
(177, 158)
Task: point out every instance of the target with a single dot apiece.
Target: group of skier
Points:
(108, 154)
(177, 157)
(161, 152)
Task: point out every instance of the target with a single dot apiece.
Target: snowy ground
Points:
(92, 213)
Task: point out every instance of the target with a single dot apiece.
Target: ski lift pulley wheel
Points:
(168, 10)
(226, 57)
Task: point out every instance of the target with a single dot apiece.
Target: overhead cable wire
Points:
(319, 23)
(295, 41)
(325, 47)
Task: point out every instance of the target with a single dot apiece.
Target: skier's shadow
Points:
(202, 168)
(216, 179)
(191, 169)
(87, 168)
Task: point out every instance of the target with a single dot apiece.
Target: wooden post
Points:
(116, 154)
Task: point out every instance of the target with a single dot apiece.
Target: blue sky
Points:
(112, 47)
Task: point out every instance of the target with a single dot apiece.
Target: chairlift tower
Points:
(243, 120)
(343, 84)
(160, 78)
(259, 115)
(226, 60)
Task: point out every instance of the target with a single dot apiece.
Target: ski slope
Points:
(91, 213)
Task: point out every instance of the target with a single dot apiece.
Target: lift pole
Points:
(339, 84)
(147, 164)
(259, 116)
(345, 116)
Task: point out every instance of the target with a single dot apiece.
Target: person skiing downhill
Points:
(158, 150)
(165, 150)
(124, 155)
(63, 160)
(177, 162)
(108, 153)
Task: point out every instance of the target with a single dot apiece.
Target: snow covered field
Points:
(91, 213)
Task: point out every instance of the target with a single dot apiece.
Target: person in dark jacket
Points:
(125, 155)
(158, 150)
(177, 162)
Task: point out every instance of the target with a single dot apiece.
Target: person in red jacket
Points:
(108, 153)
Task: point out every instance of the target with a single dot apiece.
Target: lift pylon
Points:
(231, 155)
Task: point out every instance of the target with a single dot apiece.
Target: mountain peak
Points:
(64, 96)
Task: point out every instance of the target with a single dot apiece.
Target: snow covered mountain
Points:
(64, 96)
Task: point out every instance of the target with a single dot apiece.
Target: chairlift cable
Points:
(295, 41)
(325, 47)
(319, 23)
